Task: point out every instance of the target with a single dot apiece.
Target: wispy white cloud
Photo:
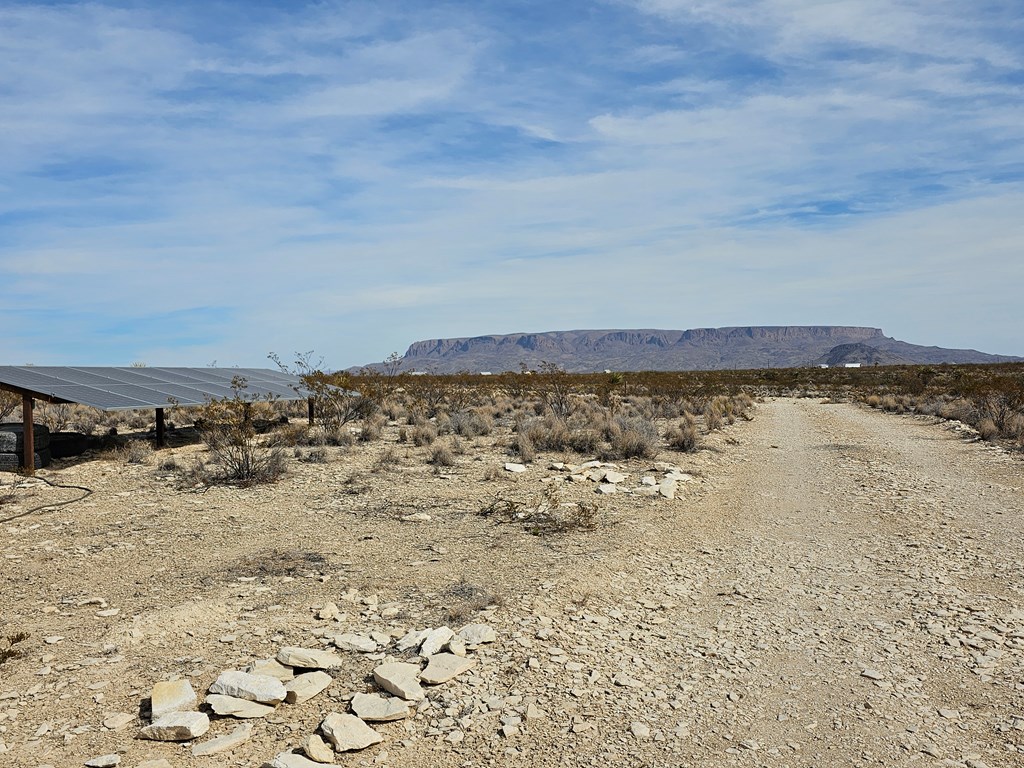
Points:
(352, 178)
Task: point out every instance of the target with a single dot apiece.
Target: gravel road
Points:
(848, 591)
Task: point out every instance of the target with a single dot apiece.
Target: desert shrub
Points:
(403, 435)
(389, 457)
(315, 455)
(713, 419)
(8, 646)
(584, 441)
(56, 416)
(545, 434)
(557, 391)
(9, 403)
(168, 464)
(297, 434)
(959, 410)
(85, 420)
(441, 455)
(684, 436)
(423, 435)
(237, 453)
(475, 423)
(442, 423)
(464, 600)
(135, 452)
(988, 430)
(544, 515)
(890, 403)
(635, 438)
(336, 400)
(523, 447)
(373, 428)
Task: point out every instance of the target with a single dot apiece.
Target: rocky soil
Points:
(827, 586)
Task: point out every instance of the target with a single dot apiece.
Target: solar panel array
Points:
(122, 389)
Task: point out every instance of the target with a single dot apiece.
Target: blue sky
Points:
(189, 182)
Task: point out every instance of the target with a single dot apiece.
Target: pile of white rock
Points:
(611, 480)
(296, 675)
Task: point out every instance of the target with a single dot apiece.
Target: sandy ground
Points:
(835, 587)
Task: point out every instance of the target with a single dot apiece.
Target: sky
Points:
(192, 183)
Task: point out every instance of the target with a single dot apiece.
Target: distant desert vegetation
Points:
(435, 418)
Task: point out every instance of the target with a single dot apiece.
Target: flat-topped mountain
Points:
(695, 349)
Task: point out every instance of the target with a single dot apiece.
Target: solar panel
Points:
(112, 389)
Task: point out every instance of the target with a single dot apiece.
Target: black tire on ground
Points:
(64, 444)
(11, 462)
(12, 437)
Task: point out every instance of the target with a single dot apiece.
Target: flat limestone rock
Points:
(477, 634)
(271, 668)
(172, 696)
(104, 761)
(244, 685)
(224, 743)
(317, 749)
(177, 726)
(377, 709)
(667, 488)
(230, 706)
(118, 720)
(511, 466)
(400, 679)
(442, 667)
(309, 658)
(435, 640)
(412, 639)
(293, 760)
(353, 642)
(348, 733)
(305, 687)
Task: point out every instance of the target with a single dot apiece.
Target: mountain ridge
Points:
(752, 346)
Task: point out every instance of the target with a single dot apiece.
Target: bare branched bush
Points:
(545, 514)
(85, 420)
(56, 416)
(9, 403)
(238, 453)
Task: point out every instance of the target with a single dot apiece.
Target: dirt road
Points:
(839, 587)
(850, 591)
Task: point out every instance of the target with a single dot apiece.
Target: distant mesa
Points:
(700, 349)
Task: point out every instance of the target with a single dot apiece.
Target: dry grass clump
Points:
(474, 423)
(424, 434)
(388, 458)
(135, 452)
(632, 437)
(314, 455)
(442, 455)
(465, 600)
(684, 436)
(373, 428)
